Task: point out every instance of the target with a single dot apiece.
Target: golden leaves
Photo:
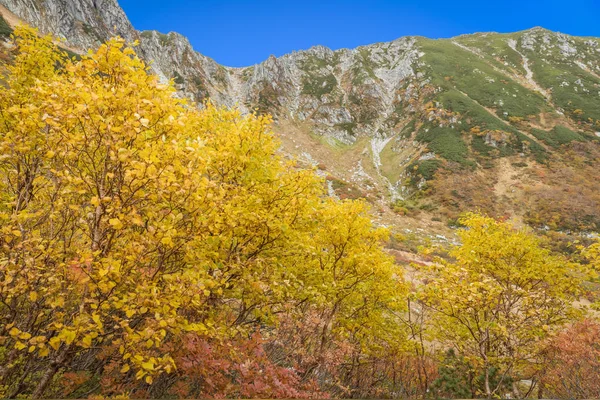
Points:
(20, 345)
(67, 335)
(86, 342)
(54, 342)
(152, 219)
(44, 351)
(116, 223)
(148, 366)
(503, 287)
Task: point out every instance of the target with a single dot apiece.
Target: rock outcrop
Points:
(420, 103)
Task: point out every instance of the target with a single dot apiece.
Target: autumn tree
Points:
(134, 224)
(592, 254)
(344, 312)
(572, 363)
(96, 201)
(497, 298)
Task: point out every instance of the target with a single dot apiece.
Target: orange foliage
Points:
(460, 192)
(573, 359)
(568, 196)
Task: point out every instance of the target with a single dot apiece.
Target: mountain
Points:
(424, 129)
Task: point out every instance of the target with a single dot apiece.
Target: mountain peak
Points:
(396, 111)
(538, 28)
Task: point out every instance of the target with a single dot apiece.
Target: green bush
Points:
(423, 169)
(558, 136)
(178, 79)
(554, 73)
(408, 129)
(404, 207)
(349, 127)
(479, 145)
(459, 379)
(445, 142)
(446, 60)
(5, 29)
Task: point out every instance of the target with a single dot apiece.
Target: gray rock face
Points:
(402, 90)
(83, 23)
(172, 56)
(342, 92)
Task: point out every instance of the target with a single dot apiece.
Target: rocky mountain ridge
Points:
(395, 121)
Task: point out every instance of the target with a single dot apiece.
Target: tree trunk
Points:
(52, 369)
(42, 385)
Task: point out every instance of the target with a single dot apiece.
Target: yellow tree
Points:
(592, 253)
(498, 297)
(348, 295)
(129, 218)
(95, 187)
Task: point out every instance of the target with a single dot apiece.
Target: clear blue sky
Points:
(240, 33)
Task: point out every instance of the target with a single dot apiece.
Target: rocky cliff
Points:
(392, 120)
(83, 24)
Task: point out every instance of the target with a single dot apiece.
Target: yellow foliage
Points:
(129, 217)
(476, 130)
(500, 296)
(515, 120)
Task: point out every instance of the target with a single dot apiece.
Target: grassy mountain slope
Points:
(424, 129)
(480, 105)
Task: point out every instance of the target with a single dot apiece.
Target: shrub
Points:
(5, 29)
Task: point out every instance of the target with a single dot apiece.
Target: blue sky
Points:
(240, 33)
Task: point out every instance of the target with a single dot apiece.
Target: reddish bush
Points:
(236, 368)
(573, 363)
